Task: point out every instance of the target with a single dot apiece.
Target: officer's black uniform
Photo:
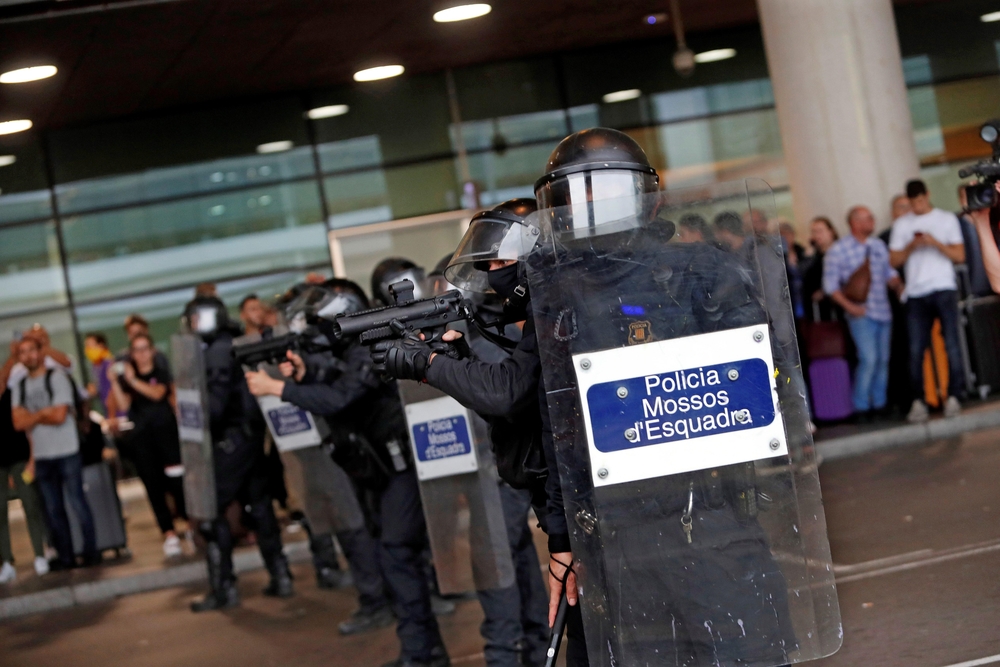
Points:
(237, 429)
(352, 397)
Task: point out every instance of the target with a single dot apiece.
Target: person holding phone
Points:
(928, 243)
(143, 387)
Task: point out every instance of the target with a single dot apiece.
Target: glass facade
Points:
(101, 221)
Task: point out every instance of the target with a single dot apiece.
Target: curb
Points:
(908, 434)
(108, 589)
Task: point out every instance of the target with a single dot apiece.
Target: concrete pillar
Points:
(841, 101)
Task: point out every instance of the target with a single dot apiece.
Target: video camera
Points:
(983, 194)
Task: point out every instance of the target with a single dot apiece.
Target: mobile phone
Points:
(119, 368)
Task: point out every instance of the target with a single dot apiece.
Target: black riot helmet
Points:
(590, 167)
(391, 270)
(505, 232)
(206, 316)
(309, 308)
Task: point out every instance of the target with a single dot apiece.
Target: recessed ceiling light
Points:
(990, 18)
(376, 73)
(275, 146)
(656, 19)
(714, 55)
(622, 95)
(462, 12)
(26, 74)
(327, 111)
(7, 160)
(12, 126)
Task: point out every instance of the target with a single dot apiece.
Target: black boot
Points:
(223, 593)
(281, 577)
(328, 572)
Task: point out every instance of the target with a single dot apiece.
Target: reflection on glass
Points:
(500, 133)
(357, 199)
(206, 238)
(31, 276)
(357, 153)
(710, 100)
(511, 174)
(25, 206)
(190, 179)
(926, 124)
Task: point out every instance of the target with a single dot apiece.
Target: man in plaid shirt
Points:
(870, 322)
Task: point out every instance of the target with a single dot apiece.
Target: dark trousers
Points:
(241, 474)
(515, 620)
(153, 449)
(362, 553)
(403, 540)
(920, 315)
(53, 476)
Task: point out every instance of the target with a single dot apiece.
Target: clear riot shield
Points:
(193, 426)
(459, 488)
(681, 430)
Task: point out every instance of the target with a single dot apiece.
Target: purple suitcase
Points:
(830, 380)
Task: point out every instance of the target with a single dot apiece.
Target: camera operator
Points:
(370, 444)
(986, 221)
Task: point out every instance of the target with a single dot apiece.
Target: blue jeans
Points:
(871, 377)
(53, 476)
(920, 315)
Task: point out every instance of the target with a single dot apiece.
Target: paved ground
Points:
(915, 534)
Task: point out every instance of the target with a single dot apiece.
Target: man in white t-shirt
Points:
(928, 243)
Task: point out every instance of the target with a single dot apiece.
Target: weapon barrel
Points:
(271, 349)
(558, 628)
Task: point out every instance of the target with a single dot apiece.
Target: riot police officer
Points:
(678, 565)
(237, 434)
(330, 504)
(507, 392)
(370, 445)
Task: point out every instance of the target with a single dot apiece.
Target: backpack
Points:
(89, 434)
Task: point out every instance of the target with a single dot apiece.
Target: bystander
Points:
(927, 243)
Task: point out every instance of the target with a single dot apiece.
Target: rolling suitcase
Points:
(102, 497)
(830, 380)
(981, 319)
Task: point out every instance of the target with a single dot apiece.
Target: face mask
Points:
(503, 281)
(96, 355)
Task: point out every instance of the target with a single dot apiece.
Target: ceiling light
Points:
(26, 74)
(327, 111)
(990, 18)
(275, 146)
(714, 55)
(622, 95)
(12, 126)
(655, 19)
(462, 12)
(376, 73)
(6, 160)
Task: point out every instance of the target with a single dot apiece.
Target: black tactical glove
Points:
(404, 358)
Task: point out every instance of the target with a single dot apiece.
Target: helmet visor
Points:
(596, 202)
(484, 241)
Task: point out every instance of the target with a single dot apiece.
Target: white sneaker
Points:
(952, 408)
(41, 566)
(7, 573)
(918, 412)
(172, 547)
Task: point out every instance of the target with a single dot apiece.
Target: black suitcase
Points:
(102, 497)
(981, 322)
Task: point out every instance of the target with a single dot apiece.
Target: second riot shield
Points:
(681, 430)
(193, 426)
(459, 488)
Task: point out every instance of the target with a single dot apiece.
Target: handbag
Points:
(859, 283)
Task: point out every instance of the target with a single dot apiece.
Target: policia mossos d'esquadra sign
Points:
(681, 432)
(193, 425)
(459, 491)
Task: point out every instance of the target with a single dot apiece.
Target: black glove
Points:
(404, 359)
(456, 349)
